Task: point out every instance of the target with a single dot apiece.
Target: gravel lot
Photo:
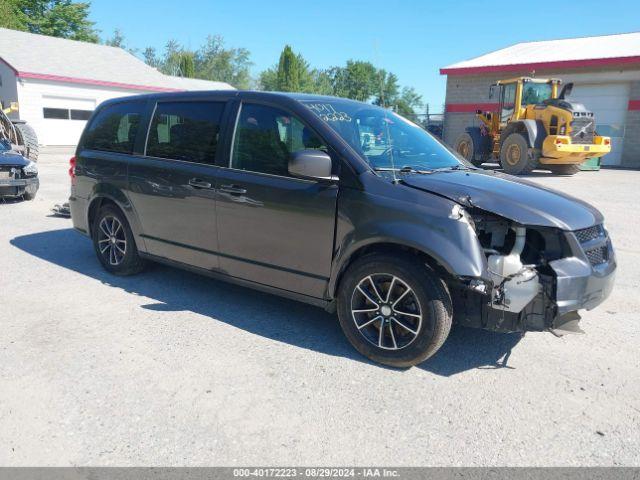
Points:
(170, 368)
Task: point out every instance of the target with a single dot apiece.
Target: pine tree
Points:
(288, 71)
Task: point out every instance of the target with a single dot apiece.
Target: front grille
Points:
(594, 243)
(591, 233)
(597, 256)
(583, 129)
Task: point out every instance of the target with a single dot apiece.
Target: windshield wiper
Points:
(405, 169)
(454, 167)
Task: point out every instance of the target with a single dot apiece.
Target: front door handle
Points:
(197, 183)
(233, 189)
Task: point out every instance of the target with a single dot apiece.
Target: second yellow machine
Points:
(534, 127)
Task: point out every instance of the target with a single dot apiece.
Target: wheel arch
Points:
(532, 130)
(389, 247)
(94, 207)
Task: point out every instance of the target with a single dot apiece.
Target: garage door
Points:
(609, 103)
(64, 119)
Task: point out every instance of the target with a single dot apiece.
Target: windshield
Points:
(534, 93)
(384, 139)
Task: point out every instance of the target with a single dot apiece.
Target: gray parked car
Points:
(18, 175)
(340, 204)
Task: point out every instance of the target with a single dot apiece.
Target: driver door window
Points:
(266, 137)
(508, 102)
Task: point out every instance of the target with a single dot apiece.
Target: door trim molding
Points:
(233, 257)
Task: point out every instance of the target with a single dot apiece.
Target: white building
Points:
(604, 69)
(58, 83)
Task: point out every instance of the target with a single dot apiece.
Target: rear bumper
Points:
(13, 188)
(78, 209)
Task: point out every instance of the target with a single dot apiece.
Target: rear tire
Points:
(400, 319)
(27, 137)
(571, 169)
(467, 148)
(114, 243)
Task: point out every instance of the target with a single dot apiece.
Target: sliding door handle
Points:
(197, 183)
(233, 189)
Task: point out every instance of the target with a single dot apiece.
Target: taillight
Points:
(72, 170)
(607, 141)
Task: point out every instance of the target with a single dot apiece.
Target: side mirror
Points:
(566, 91)
(491, 91)
(311, 164)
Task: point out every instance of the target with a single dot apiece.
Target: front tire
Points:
(394, 310)
(516, 157)
(27, 137)
(114, 243)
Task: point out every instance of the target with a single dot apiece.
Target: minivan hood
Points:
(516, 199)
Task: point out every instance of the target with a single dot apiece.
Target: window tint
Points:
(266, 137)
(114, 128)
(185, 131)
(80, 114)
(58, 113)
(508, 101)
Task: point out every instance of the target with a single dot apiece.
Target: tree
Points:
(212, 61)
(322, 82)
(56, 18)
(11, 16)
(387, 88)
(269, 80)
(215, 62)
(308, 80)
(117, 40)
(186, 64)
(408, 102)
(288, 75)
(357, 80)
(150, 57)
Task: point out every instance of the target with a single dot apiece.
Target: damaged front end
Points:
(536, 278)
(18, 175)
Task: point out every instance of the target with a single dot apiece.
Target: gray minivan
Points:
(340, 204)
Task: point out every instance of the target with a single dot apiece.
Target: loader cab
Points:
(515, 94)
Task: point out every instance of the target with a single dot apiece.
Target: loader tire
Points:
(469, 150)
(27, 137)
(571, 169)
(516, 157)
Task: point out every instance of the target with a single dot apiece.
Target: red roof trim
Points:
(593, 62)
(634, 105)
(88, 81)
(470, 107)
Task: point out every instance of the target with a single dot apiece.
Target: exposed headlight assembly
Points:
(459, 213)
(31, 169)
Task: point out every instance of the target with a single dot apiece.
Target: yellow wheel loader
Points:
(534, 127)
(17, 135)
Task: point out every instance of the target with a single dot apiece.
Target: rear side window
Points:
(187, 131)
(114, 128)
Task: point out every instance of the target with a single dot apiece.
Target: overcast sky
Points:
(413, 39)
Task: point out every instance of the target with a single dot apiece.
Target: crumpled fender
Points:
(422, 223)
